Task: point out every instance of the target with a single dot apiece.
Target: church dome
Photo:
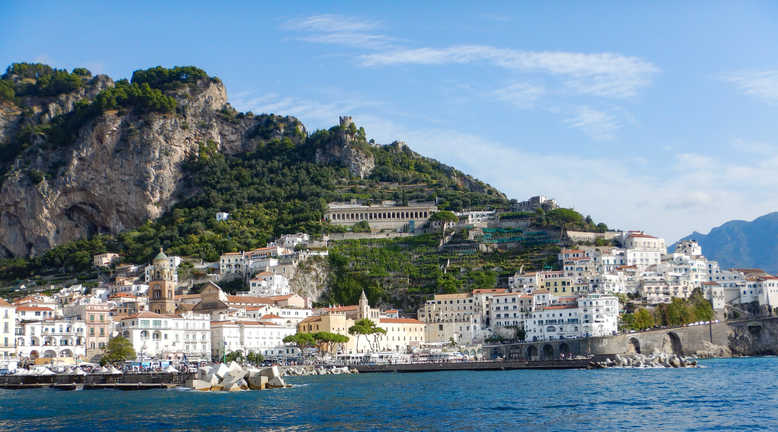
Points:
(160, 256)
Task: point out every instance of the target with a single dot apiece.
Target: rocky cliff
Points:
(344, 149)
(122, 168)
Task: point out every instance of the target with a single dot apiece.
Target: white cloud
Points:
(598, 125)
(340, 30)
(601, 74)
(760, 84)
(522, 95)
(754, 147)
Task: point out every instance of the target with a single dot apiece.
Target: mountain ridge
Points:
(741, 243)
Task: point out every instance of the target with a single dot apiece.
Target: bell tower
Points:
(162, 289)
(364, 306)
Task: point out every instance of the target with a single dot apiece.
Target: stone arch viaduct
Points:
(748, 337)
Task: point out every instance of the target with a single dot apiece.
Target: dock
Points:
(475, 366)
(143, 381)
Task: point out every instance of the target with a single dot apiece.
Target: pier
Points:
(143, 381)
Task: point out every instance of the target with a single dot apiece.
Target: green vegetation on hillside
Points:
(35, 79)
(277, 188)
(406, 271)
(677, 312)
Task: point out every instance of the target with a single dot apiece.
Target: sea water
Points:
(726, 395)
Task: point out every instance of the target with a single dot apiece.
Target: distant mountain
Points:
(742, 244)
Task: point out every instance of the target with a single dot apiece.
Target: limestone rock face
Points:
(345, 150)
(121, 170)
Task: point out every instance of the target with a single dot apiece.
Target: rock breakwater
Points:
(659, 360)
(317, 370)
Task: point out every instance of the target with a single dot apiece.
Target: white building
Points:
(510, 309)
(402, 334)
(247, 263)
(593, 315)
(222, 216)
(599, 315)
(267, 284)
(8, 358)
(34, 313)
(54, 338)
(261, 337)
(554, 322)
(172, 337)
(290, 241)
(477, 218)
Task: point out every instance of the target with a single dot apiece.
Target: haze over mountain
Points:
(742, 244)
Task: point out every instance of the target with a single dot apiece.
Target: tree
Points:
(118, 350)
(301, 341)
(365, 327)
(326, 340)
(234, 356)
(642, 319)
(255, 359)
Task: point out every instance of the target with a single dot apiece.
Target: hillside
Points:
(91, 165)
(742, 244)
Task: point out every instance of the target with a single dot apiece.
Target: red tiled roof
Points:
(488, 290)
(249, 300)
(262, 323)
(271, 316)
(340, 308)
(33, 309)
(400, 321)
(567, 306)
(147, 314)
(640, 235)
(4, 303)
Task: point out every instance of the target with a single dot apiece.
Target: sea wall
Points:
(723, 339)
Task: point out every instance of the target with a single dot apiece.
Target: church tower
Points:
(162, 289)
(364, 306)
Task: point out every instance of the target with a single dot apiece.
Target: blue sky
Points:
(662, 117)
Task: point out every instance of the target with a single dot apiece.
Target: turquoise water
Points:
(726, 395)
